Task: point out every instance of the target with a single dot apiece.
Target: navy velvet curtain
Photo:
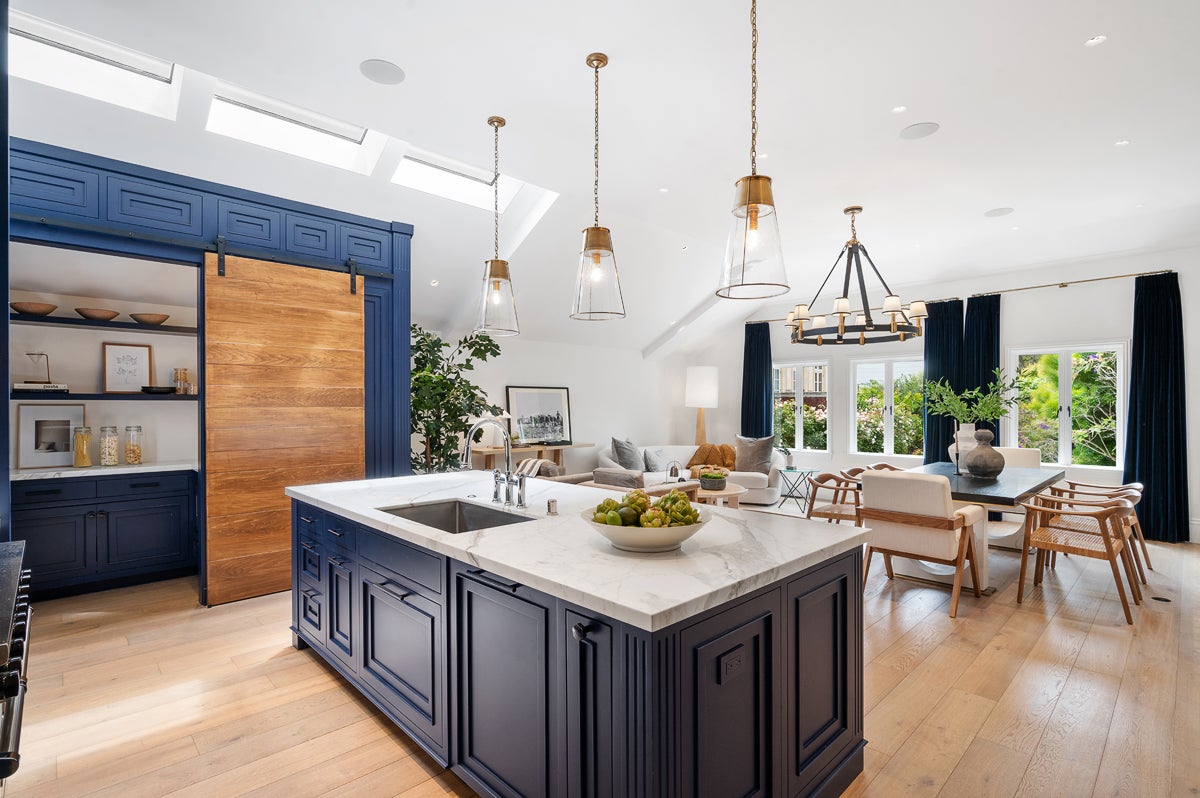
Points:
(981, 346)
(1156, 427)
(943, 361)
(756, 381)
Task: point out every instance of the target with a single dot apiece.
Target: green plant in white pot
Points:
(990, 403)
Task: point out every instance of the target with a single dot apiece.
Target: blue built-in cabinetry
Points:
(70, 198)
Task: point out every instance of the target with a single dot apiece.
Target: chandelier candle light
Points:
(598, 287)
(902, 322)
(753, 254)
(497, 305)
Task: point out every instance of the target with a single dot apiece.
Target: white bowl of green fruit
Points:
(642, 524)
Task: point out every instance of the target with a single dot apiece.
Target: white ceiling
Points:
(1028, 118)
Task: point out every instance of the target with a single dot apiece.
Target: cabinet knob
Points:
(580, 631)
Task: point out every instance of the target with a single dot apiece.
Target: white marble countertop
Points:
(737, 552)
(17, 475)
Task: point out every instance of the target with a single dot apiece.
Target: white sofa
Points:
(760, 488)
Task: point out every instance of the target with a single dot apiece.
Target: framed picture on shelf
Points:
(127, 367)
(540, 415)
(44, 437)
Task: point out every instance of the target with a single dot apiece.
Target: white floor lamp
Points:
(701, 392)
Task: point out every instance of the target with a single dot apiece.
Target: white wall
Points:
(1088, 313)
(613, 392)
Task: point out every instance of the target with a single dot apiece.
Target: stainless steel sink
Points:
(455, 516)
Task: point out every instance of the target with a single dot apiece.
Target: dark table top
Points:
(1013, 484)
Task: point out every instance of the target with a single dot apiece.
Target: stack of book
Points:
(41, 387)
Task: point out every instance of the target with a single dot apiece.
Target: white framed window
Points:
(1071, 403)
(801, 406)
(887, 415)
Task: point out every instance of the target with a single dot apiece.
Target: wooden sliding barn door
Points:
(283, 405)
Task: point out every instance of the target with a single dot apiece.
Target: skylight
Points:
(260, 120)
(65, 59)
(452, 180)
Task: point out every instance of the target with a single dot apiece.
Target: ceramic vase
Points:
(984, 461)
(964, 442)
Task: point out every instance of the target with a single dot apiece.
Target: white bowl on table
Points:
(647, 540)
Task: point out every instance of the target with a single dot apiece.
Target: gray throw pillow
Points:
(627, 455)
(657, 460)
(618, 477)
(754, 454)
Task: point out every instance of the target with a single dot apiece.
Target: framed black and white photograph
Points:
(127, 367)
(44, 434)
(540, 415)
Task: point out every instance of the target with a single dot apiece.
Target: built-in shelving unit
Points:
(91, 324)
(58, 396)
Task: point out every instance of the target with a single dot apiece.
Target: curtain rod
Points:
(1014, 290)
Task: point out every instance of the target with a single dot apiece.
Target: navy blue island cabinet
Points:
(525, 695)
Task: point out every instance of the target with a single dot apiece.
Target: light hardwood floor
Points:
(139, 692)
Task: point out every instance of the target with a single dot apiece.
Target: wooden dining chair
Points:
(1054, 524)
(913, 515)
(1071, 488)
(853, 473)
(841, 503)
(881, 466)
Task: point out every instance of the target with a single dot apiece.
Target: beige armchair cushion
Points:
(1020, 457)
(915, 494)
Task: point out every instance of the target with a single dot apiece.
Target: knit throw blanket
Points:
(530, 466)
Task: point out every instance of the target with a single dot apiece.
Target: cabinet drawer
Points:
(144, 484)
(312, 618)
(337, 531)
(399, 557)
(311, 561)
(56, 490)
(308, 521)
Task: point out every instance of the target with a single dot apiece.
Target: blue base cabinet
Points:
(79, 532)
(527, 696)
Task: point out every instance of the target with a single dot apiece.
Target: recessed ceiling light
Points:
(381, 71)
(663, 190)
(1096, 41)
(1121, 143)
(433, 283)
(1014, 228)
(684, 249)
(996, 212)
(899, 109)
(920, 130)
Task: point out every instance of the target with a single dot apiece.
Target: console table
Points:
(552, 453)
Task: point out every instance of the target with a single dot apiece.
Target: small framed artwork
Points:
(44, 437)
(540, 415)
(127, 367)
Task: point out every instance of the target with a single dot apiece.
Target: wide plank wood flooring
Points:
(140, 692)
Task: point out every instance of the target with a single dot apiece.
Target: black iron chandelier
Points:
(863, 328)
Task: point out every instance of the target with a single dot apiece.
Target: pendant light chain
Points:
(596, 150)
(496, 190)
(753, 87)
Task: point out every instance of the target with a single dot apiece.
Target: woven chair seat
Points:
(848, 512)
(1074, 541)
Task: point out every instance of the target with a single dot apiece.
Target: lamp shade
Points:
(753, 254)
(918, 310)
(891, 304)
(701, 389)
(497, 305)
(841, 306)
(598, 286)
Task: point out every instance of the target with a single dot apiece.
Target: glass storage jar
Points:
(81, 442)
(133, 444)
(109, 443)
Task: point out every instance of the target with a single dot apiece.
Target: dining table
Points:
(1001, 493)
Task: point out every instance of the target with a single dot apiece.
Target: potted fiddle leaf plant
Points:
(990, 403)
(444, 400)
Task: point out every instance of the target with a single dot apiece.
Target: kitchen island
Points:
(536, 660)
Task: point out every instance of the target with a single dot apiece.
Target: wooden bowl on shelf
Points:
(33, 308)
(149, 318)
(97, 314)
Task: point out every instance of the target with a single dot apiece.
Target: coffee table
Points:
(728, 496)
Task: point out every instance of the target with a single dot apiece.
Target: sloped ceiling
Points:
(1028, 116)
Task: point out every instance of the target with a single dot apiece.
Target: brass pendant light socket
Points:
(753, 190)
(496, 121)
(497, 269)
(852, 209)
(597, 238)
(597, 60)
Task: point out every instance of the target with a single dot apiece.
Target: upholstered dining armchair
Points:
(913, 515)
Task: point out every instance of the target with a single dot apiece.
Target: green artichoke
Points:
(683, 514)
(638, 500)
(655, 518)
(606, 505)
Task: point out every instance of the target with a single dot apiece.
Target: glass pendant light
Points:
(497, 305)
(753, 254)
(598, 287)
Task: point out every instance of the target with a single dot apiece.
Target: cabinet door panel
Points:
(823, 709)
(339, 583)
(503, 680)
(588, 648)
(56, 542)
(311, 563)
(311, 613)
(156, 206)
(38, 185)
(148, 532)
(730, 688)
(402, 644)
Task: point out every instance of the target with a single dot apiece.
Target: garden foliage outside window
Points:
(1069, 404)
(801, 386)
(889, 396)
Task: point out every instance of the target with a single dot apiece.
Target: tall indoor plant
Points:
(990, 403)
(444, 401)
